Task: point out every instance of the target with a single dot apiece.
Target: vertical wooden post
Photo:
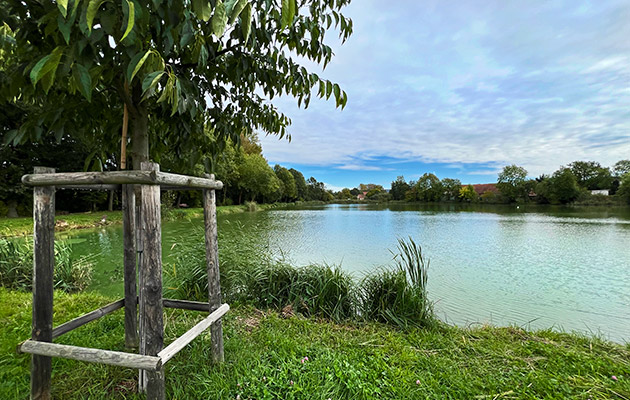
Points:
(212, 264)
(43, 266)
(151, 287)
(129, 262)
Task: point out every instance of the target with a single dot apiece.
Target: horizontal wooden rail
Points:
(74, 179)
(186, 305)
(118, 358)
(169, 351)
(84, 319)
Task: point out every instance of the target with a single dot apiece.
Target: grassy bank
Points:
(264, 354)
(24, 225)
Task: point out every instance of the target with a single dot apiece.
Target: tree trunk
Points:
(110, 203)
(12, 213)
(139, 124)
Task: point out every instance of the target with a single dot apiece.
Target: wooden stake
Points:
(129, 262)
(43, 265)
(151, 288)
(212, 265)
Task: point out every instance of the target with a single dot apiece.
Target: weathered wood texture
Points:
(212, 265)
(91, 187)
(151, 289)
(43, 266)
(129, 263)
(179, 343)
(89, 317)
(145, 177)
(118, 358)
(186, 305)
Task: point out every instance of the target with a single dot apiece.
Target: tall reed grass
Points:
(398, 296)
(250, 274)
(71, 274)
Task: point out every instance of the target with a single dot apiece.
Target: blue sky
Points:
(463, 88)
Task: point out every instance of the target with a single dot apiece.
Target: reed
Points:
(72, 274)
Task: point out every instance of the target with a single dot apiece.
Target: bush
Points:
(399, 296)
(16, 267)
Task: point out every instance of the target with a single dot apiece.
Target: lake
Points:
(531, 266)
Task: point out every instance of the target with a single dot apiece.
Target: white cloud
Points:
(539, 85)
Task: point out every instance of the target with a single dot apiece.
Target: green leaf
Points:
(246, 21)
(202, 9)
(63, 7)
(83, 80)
(92, 9)
(150, 80)
(219, 19)
(135, 64)
(166, 93)
(329, 87)
(289, 9)
(336, 90)
(64, 28)
(285, 13)
(46, 67)
(237, 9)
(175, 96)
(36, 72)
(130, 19)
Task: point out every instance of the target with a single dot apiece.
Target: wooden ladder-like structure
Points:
(142, 255)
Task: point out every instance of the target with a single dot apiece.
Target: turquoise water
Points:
(536, 267)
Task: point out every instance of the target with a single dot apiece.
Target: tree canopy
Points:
(191, 74)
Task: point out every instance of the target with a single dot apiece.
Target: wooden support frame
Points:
(142, 256)
(169, 351)
(118, 358)
(43, 265)
(142, 177)
(89, 317)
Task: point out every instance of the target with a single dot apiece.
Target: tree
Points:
(316, 190)
(564, 186)
(429, 188)
(451, 188)
(621, 168)
(512, 182)
(468, 194)
(399, 188)
(591, 175)
(181, 69)
(256, 178)
(300, 184)
(289, 190)
(624, 188)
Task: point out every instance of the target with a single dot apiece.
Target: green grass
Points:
(264, 354)
(24, 225)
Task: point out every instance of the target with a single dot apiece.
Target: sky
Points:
(461, 89)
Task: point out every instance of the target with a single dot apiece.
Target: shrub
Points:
(16, 267)
(251, 206)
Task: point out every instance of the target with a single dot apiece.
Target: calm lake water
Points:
(531, 266)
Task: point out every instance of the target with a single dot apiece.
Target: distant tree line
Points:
(568, 184)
